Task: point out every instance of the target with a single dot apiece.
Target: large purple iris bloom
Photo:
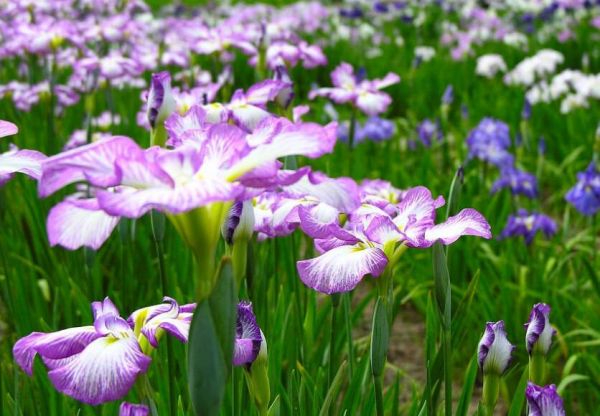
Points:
(373, 239)
(100, 363)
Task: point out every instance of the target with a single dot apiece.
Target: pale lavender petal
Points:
(342, 268)
(316, 220)
(24, 161)
(55, 345)
(7, 128)
(265, 91)
(373, 103)
(104, 307)
(390, 79)
(466, 222)
(94, 162)
(343, 76)
(104, 371)
(416, 213)
(76, 223)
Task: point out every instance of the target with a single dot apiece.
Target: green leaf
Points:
(518, 399)
(441, 279)
(211, 340)
(334, 389)
(568, 380)
(379, 338)
(275, 408)
(467, 390)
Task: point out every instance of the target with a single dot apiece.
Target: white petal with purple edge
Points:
(342, 268)
(76, 223)
(24, 161)
(7, 128)
(373, 103)
(466, 222)
(104, 371)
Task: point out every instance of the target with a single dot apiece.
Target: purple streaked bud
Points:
(131, 409)
(543, 401)
(248, 336)
(160, 99)
(239, 223)
(494, 350)
(285, 95)
(539, 331)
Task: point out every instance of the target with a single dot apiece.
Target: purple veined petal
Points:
(94, 162)
(131, 409)
(382, 230)
(104, 371)
(223, 147)
(54, 345)
(24, 161)
(104, 307)
(390, 79)
(265, 130)
(216, 113)
(343, 76)
(307, 139)
(416, 213)
(177, 125)
(316, 220)
(299, 111)
(247, 116)
(7, 128)
(248, 336)
(135, 203)
(342, 268)
(75, 223)
(337, 95)
(466, 222)
(140, 171)
(543, 401)
(373, 103)
(265, 91)
(111, 324)
(341, 193)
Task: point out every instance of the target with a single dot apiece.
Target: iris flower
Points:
(99, 363)
(373, 240)
(17, 160)
(364, 94)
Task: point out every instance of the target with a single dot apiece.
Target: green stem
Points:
(377, 381)
(348, 324)
(448, 370)
(335, 302)
(157, 236)
(491, 390)
(537, 368)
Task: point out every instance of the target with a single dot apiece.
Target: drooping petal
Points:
(342, 268)
(390, 79)
(94, 162)
(55, 345)
(104, 371)
(75, 223)
(316, 220)
(307, 139)
(24, 161)
(265, 91)
(7, 128)
(466, 222)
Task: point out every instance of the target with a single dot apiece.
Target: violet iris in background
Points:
(528, 225)
(585, 195)
(519, 182)
(428, 130)
(489, 141)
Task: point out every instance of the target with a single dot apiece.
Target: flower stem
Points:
(537, 364)
(335, 302)
(348, 324)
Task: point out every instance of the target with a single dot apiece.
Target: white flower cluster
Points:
(424, 53)
(489, 65)
(574, 87)
(536, 67)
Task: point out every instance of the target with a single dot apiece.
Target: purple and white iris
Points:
(372, 239)
(100, 363)
(518, 181)
(543, 401)
(539, 331)
(213, 163)
(364, 94)
(494, 351)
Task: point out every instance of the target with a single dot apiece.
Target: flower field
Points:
(300, 208)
